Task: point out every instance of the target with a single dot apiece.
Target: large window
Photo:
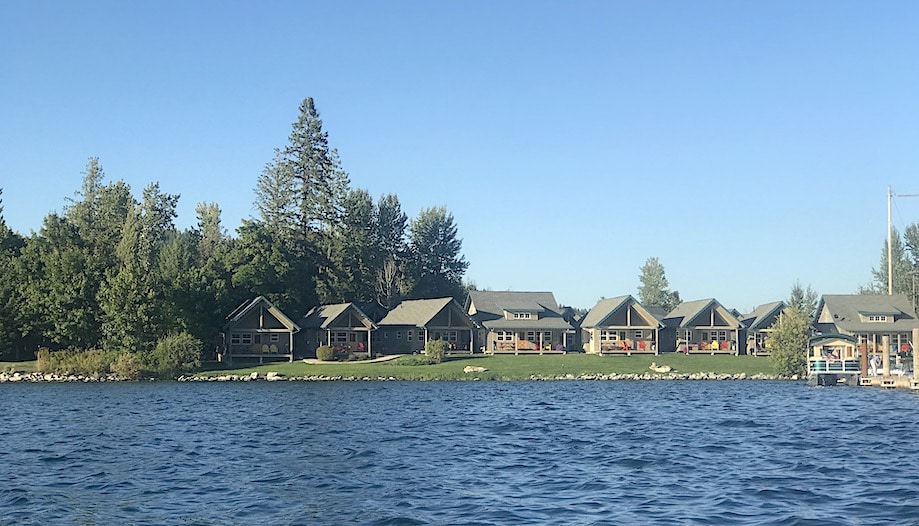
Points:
(877, 318)
(521, 315)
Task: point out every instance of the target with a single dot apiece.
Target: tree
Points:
(436, 265)
(389, 227)
(803, 300)
(654, 290)
(276, 199)
(789, 342)
(11, 308)
(261, 264)
(902, 270)
(354, 258)
(132, 298)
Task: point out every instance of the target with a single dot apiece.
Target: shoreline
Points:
(276, 377)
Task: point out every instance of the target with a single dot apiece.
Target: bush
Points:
(128, 365)
(325, 353)
(83, 363)
(177, 353)
(435, 350)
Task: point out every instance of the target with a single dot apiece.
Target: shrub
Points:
(325, 353)
(177, 353)
(85, 363)
(128, 365)
(435, 350)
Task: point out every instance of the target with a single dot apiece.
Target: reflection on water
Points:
(457, 453)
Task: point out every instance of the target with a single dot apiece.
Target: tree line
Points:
(112, 272)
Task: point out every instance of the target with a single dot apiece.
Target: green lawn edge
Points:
(510, 367)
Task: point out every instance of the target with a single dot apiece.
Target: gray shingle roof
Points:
(762, 315)
(244, 309)
(418, 313)
(320, 317)
(490, 306)
(847, 311)
(685, 313)
(607, 307)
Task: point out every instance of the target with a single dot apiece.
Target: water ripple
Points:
(457, 453)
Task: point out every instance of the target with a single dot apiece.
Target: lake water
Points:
(392, 453)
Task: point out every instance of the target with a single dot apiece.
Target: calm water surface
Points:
(392, 453)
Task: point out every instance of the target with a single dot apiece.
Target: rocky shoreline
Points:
(276, 377)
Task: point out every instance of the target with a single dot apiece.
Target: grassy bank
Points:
(516, 367)
(19, 367)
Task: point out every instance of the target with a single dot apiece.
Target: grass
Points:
(19, 367)
(504, 367)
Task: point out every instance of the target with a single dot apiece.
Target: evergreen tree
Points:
(321, 184)
(261, 264)
(902, 270)
(389, 230)
(132, 298)
(654, 290)
(11, 304)
(276, 199)
(436, 265)
(803, 300)
(354, 257)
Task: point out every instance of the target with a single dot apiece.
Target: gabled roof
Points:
(848, 312)
(323, 316)
(246, 307)
(685, 314)
(821, 339)
(419, 313)
(487, 308)
(763, 316)
(605, 308)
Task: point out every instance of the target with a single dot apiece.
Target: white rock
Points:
(474, 369)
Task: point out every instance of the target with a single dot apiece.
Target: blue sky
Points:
(745, 144)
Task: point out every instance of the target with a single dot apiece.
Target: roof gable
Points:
(420, 313)
(337, 315)
(621, 311)
(702, 313)
(261, 306)
(764, 316)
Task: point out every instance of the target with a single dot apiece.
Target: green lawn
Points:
(18, 367)
(504, 367)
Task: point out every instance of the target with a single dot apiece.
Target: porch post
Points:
(885, 341)
(912, 346)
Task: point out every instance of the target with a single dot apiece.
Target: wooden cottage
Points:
(520, 322)
(701, 326)
(409, 326)
(620, 326)
(759, 324)
(342, 326)
(258, 329)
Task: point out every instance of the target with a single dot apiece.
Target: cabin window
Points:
(639, 335)
(505, 336)
(547, 336)
(246, 339)
(521, 315)
(609, 336)
(258, 338)
(450, 336)
(877, 318)
(275, 337)
(398, 335)
(409, 335)
(339, 337)
(234, 338)
(352, 337)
